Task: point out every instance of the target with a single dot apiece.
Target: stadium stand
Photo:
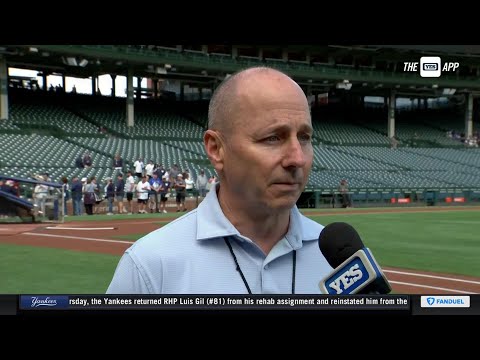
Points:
(47, 131)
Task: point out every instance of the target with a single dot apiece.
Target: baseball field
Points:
(428, 250)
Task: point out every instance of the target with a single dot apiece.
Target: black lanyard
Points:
(294, 266)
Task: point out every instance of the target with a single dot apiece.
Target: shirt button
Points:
(265, 267)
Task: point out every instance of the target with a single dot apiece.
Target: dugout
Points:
(24, 205)
(14, 208)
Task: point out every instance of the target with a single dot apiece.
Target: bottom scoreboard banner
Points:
(336, 304)
(202, 302)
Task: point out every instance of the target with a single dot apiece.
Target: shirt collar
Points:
(212, 223)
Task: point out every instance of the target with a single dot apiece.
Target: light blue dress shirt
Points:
(189, 256)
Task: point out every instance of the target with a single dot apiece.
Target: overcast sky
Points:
(84, 86)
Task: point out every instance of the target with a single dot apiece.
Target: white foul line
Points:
(76, 228)
(431, 287)
(81, 238)
(392, 282)
(431, 276)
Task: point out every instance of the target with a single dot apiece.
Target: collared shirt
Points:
(190, 256)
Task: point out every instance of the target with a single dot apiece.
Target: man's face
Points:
(268, 154)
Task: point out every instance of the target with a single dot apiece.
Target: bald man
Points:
(247, 236)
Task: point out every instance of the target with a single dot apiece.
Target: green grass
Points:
(38, 270)
(446, 242)
(132, 237)
(431, 241)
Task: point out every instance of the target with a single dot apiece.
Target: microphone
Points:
(355, 269)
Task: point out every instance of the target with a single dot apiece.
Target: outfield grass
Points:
(131, 237)
(38, 270)
(446, 242)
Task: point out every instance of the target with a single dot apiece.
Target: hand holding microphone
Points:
(355, 269)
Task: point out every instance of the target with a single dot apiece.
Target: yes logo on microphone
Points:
(352, 275)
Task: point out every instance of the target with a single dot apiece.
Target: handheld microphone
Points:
(355, 269)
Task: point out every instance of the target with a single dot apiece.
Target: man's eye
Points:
(305, 137)
(272, 138)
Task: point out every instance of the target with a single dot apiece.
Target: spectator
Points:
(88, 195)
(66, 195)
(76, 196)
(139, 166)
(344, 194)
(149, 168)
(118, 162)
(87, 160)
(120, 193)
(164, 193)
(201, 183)
(189, 183)
(156, 186)
(129, 190)
(79, 162)
(143, 190)
(180, 189)
(110, 195)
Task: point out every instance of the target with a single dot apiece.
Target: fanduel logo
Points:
(445, 301)
(346, 279)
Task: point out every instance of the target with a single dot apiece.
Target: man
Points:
(245, 236)
(155, 185)
(87, 160)
(120, 193)
(129, 190)
(180, 189)
(143, 190)
(164, 193)
(76, 196)
(139, 166)
(118, 162)
(201, 183)
(149, 168)
(344, 193)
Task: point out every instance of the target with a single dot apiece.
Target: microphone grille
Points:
(338, 241)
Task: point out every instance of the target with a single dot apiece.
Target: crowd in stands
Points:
(472, 141)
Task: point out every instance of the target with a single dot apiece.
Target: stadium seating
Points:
(172, 134)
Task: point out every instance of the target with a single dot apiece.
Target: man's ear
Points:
(215, 148)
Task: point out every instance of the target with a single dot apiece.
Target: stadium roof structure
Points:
(368, 69)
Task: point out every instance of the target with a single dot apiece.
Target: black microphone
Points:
(355, 269)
